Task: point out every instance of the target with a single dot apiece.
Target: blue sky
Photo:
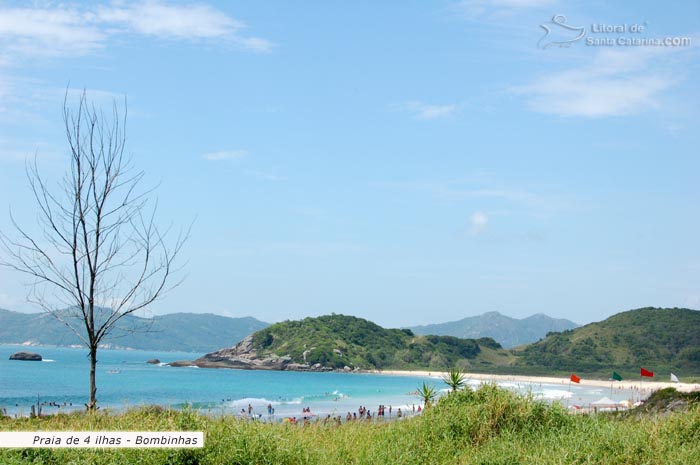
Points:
(405, 162)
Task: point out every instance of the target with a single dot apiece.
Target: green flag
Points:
(616, 376)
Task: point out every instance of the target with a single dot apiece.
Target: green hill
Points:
(336, 341)
(659, 339)
(662, 340)
(186, 332)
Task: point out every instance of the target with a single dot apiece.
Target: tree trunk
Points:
(92, 404)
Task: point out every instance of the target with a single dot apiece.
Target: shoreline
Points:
(484, 377)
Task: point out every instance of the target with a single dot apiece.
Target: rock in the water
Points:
(153, 361)
(26, 356)
(181, 363)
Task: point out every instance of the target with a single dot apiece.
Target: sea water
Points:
(125, 380)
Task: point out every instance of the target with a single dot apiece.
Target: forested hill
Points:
(663, 340)
(186, 332)
(337, 341)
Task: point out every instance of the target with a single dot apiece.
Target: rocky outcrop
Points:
(26, 356)
(182, 363)
(153, 361)
(244, 356)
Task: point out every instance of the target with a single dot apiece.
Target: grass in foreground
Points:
(489, 426)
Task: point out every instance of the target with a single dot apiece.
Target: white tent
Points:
(604, 402)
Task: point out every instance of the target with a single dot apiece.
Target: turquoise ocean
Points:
(125, 380)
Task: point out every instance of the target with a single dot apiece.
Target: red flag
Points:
(575, 378)
(647, 373)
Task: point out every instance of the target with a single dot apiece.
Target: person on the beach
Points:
(250, 409)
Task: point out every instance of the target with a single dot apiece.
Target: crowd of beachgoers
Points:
(306, 416)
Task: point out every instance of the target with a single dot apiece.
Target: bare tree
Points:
(97, 252)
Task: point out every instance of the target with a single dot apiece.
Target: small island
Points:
(26, 356)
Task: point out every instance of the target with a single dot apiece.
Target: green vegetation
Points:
(427, 394)
(488, 426)
(662, 339)
(337, 341)
(454, 378)
(186, 332)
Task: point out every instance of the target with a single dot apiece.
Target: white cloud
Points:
(46, 32)
(254, 44)
(225, 155)
(477, 8)
(615, 82)
(435, 111)
(71, 31)
(479, 221)
(424, 111)
(156, 18)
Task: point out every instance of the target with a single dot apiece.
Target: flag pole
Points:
(615, 377)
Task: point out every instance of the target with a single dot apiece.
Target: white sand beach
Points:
(624, 384)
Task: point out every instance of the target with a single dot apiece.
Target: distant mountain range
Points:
(659, 339)
(507, 331)
(204, 332)
(186, 332)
